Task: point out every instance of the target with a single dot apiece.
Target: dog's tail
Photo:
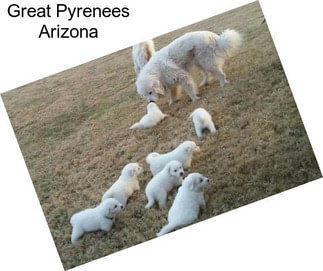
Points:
(229, 42)
(165, 115)
(166, 229)
(143, 52)
(137, 125)
(150, 157)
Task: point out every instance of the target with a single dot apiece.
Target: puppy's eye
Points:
(150, 92)
(175, 170)
(115, 206)
(201, 180)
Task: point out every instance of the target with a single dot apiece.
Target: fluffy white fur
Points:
(127, 183)
(141, 53)
(94, 219)
(183, 153)
(163, 182)
(202, 120)
(170, 66)
(151, 119)
(187, 203)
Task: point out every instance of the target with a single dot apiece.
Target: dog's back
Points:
(185, 208)
(86, 219)
(158, 161)
(120, 190)
(202, 116)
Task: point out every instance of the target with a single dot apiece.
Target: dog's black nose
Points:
(182, 173)
(121, 206)
(207, 180)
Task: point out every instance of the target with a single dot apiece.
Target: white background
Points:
(283, 232)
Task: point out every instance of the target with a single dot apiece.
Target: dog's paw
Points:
(195, 99)
(173, 101)
(223, 84)
(204, 84)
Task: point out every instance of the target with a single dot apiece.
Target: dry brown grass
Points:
(72, 128)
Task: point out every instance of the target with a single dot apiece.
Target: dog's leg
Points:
(151, 201)
(202, 206)
(211, 128)
(198, 130)
(136, 187)
(205, 80)
(175, 92)
(77, 232)
(221, 76)
(162, 198)
(188, 84)
(179, 181)
(106, 226)
(214, 65)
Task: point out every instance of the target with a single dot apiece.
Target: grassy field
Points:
(73, 131)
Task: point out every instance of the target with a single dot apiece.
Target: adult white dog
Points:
(170, 66)
(151, 119)
(94, 219)
(187, 203)
(127, 183)
(163, 182)
(141, 53)
(202, 120)
(183, 153)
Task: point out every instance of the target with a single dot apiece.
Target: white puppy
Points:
(187, 203)
(163, 182)
(141, 53)
(183, 153)
(202, 120)
(127, 183)
(170, 66)
(151, 119)
(94, 219)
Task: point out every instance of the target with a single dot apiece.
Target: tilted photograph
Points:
(166, 133)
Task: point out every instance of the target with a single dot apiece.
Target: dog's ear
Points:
(157, 86)
(169, 170)
(108, 210)
(188, 149)
(160, 91)
(192, 185)
(132, 172)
